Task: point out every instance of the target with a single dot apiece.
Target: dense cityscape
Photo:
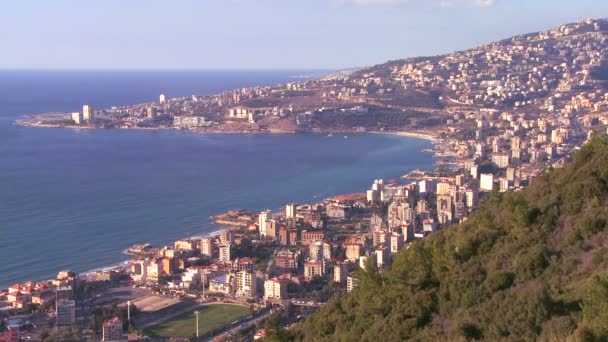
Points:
(499, 116)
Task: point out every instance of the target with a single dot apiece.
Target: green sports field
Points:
(210, 317)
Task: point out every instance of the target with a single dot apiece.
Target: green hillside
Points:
(529, 265)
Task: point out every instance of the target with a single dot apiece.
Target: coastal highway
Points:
(232, 329)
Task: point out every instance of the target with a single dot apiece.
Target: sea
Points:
(77, 198)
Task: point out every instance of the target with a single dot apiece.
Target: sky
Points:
(262, 34)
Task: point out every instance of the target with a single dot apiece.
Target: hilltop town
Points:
(499, 115)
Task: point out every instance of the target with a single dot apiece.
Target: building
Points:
(224, 253)
(154, 270)
(319, 250)
(290, 211)
(364, 259)
(151, 112)
(313, 268)
(227, 237)
(139, 269)
(286, 260)
(169, 265)
(186, 245)
(162, 98)
(197, 275)
(263, 220)
(112, 331)
(472, 198)
(246, 284)
(243, 264)
(207, 247)
(65, 311)
(225, 284)
(308, 237)
(408, 232)
(381, 237)
(275, 288)
(382, 256)
(87, 113)
(77, 118)
(351, 283)
(340, 272)
(396, 242)
(353, 251)
(501, 160)
(486, 182)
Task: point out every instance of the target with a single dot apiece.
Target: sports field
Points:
(210, 317)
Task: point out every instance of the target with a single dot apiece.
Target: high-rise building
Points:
(112, 331)
(396, 242)
(472, 198)
(207, 246)
(65, 311)
(227, 237)
(87, 113)
(263, 219)
(151, 112)
(272, 229)
(162, 98)
(340, 272)
(382, 256)
(246, 284)
(290, 211)
(225, 253)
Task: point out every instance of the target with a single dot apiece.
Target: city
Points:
(499, 116)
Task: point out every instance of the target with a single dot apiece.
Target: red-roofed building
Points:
(14, 288)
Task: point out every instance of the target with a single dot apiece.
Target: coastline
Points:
(426, 135)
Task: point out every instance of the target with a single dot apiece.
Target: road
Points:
(232, 329)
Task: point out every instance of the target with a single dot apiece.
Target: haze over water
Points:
(78, 198)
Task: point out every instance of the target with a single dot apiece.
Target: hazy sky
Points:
(262, 34)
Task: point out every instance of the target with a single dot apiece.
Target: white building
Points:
(263, 221)
(224, 253)
(486, 182)
(340, 272)
(290, 211)
(87, 113)
(351, 283)
(275, 288)
(162, 98)
(246, 284)
(77, 118)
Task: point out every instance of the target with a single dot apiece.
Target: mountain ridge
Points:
(528, 265)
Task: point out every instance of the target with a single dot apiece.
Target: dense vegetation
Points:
(529, 265)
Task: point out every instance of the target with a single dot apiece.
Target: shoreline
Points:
(426, 135)
(219, 228)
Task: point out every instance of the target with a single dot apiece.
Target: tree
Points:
(595, 308)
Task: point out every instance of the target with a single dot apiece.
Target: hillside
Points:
(529, 265)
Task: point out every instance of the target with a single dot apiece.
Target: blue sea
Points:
(78, 198)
